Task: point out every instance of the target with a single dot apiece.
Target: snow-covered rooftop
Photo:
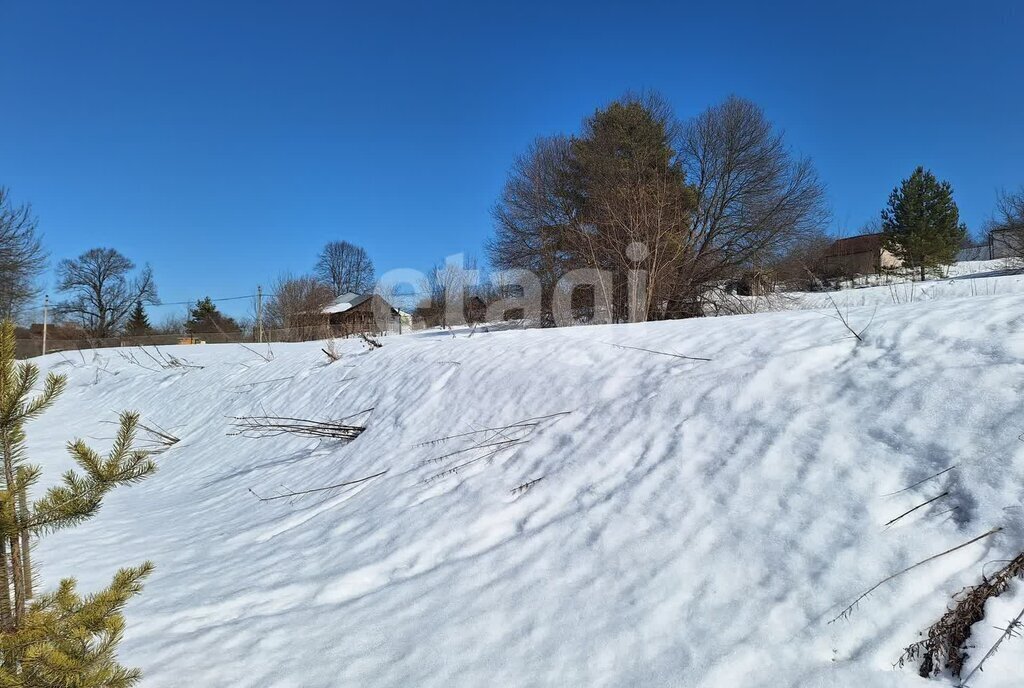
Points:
(345, 302)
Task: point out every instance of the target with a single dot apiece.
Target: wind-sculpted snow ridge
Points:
(545, 508)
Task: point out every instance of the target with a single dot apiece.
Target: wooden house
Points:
(860, 255)
(362, 313)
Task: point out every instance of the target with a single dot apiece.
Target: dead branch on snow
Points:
(944, 646)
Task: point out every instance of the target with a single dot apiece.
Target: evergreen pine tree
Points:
(203, 309)
(138, 322)
(922, 223)
(59, 639)
(205, 318)
(629, 188)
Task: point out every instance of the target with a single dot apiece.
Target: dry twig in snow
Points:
(299, 493)
(846, 322)
(849, 609)
(910, 511)
(923, 480)
(1012, 629)
(661, 353)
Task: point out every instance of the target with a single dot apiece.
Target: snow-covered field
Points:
(975, 278)
(689, 523)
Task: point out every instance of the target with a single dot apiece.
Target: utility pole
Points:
(46, 307)
(259, 313)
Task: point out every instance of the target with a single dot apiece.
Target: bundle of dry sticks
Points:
(272, 426)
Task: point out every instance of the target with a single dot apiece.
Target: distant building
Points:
(969, 253)
(860, 255)
(1006, 243)
(362, 313)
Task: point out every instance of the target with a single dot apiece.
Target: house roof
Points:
(345, 302)
(862, 243)
(350, 300)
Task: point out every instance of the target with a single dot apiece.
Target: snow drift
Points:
(683, 523)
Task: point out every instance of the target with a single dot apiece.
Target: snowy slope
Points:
(694, 524)
(977, 278)
(974, 278)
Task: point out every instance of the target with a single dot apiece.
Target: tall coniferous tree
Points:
(205, 318)
(634, 202)
(60, 638)
(922, 224)
(138, 322)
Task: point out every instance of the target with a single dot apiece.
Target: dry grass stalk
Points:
(157, 439)
(299, 493)
(922, 481)
(491, 440)
(527, 423)
(849, 608)
(455, 469)
(661, 353)
(944, 646)
(161, 360)
(268, 357)
(168, 361)
(500, 443)
(246, 387)
(919, 506)
(1013, 629)
(154, 440)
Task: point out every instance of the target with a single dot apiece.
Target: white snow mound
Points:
(689, 523)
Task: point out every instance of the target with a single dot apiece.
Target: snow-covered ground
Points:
(975, 278)
(687, 523)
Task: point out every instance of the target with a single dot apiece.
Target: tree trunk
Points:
(19, 583)
(17, 568)
(6, 619)
(26, 559)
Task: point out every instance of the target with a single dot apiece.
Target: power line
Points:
(192, 302)
(175, 303)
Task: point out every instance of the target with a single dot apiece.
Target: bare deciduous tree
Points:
(534, 215)
(295, 307)
(668, 210)
(103, 290)
(447, 284)
(172, 323)
(1009, 221)
(754, 197)
(346, 268)
(22, 257)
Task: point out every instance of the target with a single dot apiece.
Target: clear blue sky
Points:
(225, 142)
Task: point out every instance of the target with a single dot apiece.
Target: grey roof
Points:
(345, 302)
